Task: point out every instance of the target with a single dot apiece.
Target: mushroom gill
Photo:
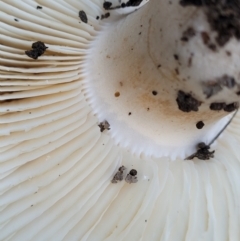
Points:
(74, 110)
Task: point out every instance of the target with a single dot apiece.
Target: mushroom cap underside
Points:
(56, 166)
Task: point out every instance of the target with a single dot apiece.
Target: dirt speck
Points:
(186, 102)
(131, 177)
(188, 34)
(200, 125)
(83, 16)
(154, 92)
(119, 175)
(104, 126)
(38, 49)
(202, 153)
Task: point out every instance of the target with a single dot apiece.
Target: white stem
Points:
(139, 64)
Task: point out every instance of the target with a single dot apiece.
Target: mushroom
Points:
(101, 103)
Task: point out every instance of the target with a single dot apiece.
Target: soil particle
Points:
(191, 2)
(205, 37)
(200, 125)
(231, 107)
(223, 17)
(213, 87)
(223, 106)
(39, 7)
(104, 126)
(227, 81)
(188, 34)
(119, 175)
(38, 49)
(176, 57)
(133, 172)
(117, 94)
(207, 41)
(228, 53)
(190, 60)
(217, 106)
(133, 3)
(186, 102)
(83, 16)
(154, 92)
(107, 5)
(106, 15)
(202, 153)
(177, 71)
(213, 47)
(131, 177)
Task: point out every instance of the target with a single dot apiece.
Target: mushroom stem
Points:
(159, 64)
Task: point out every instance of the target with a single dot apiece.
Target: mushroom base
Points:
(133, 84)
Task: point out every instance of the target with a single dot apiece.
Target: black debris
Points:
(231, 107)
(211, 88)
(190, 60)
(83, 16)
(191, 3)
(106, 15)
(186, 102)
(213, 47)
(133, 3)
(130, 3)
(207, 41)
(107, 5)
(200, 125)
(119, 175)
(104, 126)
(227, 81)
(39, 7)
(154, 92)
(131, 177)
(228, 53)
(202, 153)
(117, 94)
(176, 57)
(16, 19)
(217, 106)
(133, 172)
(205, 37)
(223, 17)
(97, 17)
(188, 34)
(223, 106)
(38, 49)
(177, 71)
